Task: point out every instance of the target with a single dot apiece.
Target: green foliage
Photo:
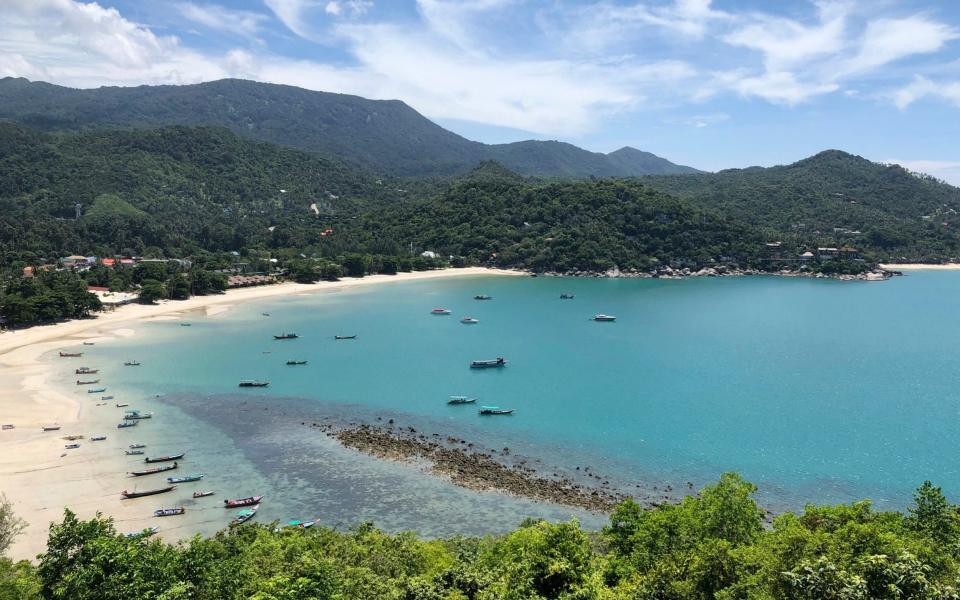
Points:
(10, 524)
(50, 296)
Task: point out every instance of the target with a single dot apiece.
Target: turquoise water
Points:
(818, 391)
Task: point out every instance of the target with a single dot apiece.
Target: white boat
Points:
(469, 321)
(461, 400)
(440, 311)
(602, 317)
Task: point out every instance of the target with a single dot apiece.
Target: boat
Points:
(127, 424)
(461, 400)
(71, 354)
(126, 495)
(154, 470)
(469, 321)
(98, 438)
(245, 515)
(495, 410)
(566, 296)
(253, 383)
(169, 512)
(440, 311)
(265, 314)
(51, 428)
(106, 397)
(133, 415)
(133, 452)
(96, 390)
(122, 404)
(296, 362)
(482, 297)
(185, 324)
(602, 317)
(137, 445)
(186, 478)
(6, 426)
(142, 534)
(489, 364)
(90, 382)
(165, 458)
(131, 363)
(89, 343)
(86, 371)
(237, 503)
(345, 337)
(72, 446)
(286, 336)
(203, 494)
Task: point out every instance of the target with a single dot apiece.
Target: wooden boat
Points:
(73, 438)
(131, 363)
(495, 410)
(71, 354)
(203, 494)
(469, 321)
(166, 458)
(489, 364)
(461, 400)
(72, 446)
(86, 371)
(440, 311)
(90, 382)
(51, 428)
(566, 296)
(185, 324)
(89, 343)
(169, 512)
(265, 314)
(6, 427)
(344, 337)
(126, 495)
(98, 438)
(482, 297)
(154, 470)
(602, 317)
(127, 424)
(106, 397)
(245, 515)
(286, 336)
(122, 404)
(237, 503)
(142, 534)
(253, 383)
(133, 452)
(137, 445)
(186, 478)
(296, 362)
(133, 415)
(96, 390)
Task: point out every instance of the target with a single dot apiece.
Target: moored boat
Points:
(602, 317)
(71, 354)
(461, 400)
(137, 445)
(296, 362)
(482, 297)
(440, 311)
(89, 343)
(253, 383)
(125, 494)
(86, 371)
(469, 321)
(96, 390)
(495, 410)
(143, 533)
(133, 452)
(122, 404)
(133, 415)
(186, 478)
(238, 502)
(6, 426)
(87, 382)
(286, 336)
(203, 494)
(131, 363)
(345, 337)
(127, 424)
(72, 446)
(169, 512)
(51, 428)
(566, 296)
(166, 458)
(106, 397)
(489, 364)
(185, 324)
(98, 438)
(245, 515)
(154, 470)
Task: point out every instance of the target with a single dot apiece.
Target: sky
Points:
(712, 84)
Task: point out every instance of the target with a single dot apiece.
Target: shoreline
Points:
(921, 267)
(37, 475)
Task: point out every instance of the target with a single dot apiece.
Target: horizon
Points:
(710, 84)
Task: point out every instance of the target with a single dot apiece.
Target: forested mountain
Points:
(835, 198)
(384, 136)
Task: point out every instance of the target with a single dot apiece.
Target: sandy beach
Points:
(36, 473)
(921, 267)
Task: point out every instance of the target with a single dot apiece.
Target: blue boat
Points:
(495, 410)
(96, 391)
(127, 424)
(186, 478)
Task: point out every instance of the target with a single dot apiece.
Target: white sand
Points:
(921, 267)
(34, 474)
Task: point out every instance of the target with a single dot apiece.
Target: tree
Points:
(932, 515)
(355, 265)
(10, 524)
(151, 290)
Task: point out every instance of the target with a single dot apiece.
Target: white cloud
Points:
(213, 16)
(333, 8)
(781, 87)
(292, 13)
(353, 8)
(947, 170)
(888, 40)
(921, 87)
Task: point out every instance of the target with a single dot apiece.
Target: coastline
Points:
(921, 267)
(36, 475)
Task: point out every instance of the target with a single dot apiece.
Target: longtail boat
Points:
(154, 471)
(296, 362)
(489, 364)
(137, 445)
(203, 494)
(89, 343)
(169, 512)
(96, 390)
(286, 336)
(495, 410)
(133, 452)
(566, 296)
(245, 515)
(165, 458)
(142, 534)
(125, 494)
(482, 297)
(51, 428)
(72, 446)
(127, 424)
(131, 363)
(106, 397)
(86, 371)
(186, 478)
(71, 354)
(242, 502)
(90, 382)
(252, 383)
(122, 404)
(461, 400)
(98, 438)
(344, 337)
(133, 415)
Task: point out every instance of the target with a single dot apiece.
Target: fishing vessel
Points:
(127, 424)
(440, 311)
(106, 397)
(489, 364)
(131, 363)
(186, 478)
(203, 494)
(51, 428)
(245, 515)
(133, 452)
(96, 390)
(286, 336)
(86, 371)
(154, 470)
(185, 324)
(125, 494)
(6, 426)
(344, 337)
(122, 404)
(142, 534)
(169, 512)
(296, 362)
(461, 400)
(166, 458)
(98, 438)
(71, 354)
(88, 382)
(254, 383)
(469, 321)
(237, 503)
(482, 297)
(133, 415)
(89, 343)
(137, 445)
(72, 446)
(566, 296)
(602, 317)
(495, 410)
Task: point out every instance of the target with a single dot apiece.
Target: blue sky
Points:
(716, 84)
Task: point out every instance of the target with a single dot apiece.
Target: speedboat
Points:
(469, 321)
(440, 311)
(602, 317)
(489, 364)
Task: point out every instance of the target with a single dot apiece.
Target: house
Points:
(428, 254)
(827, 253)
(806, 255)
